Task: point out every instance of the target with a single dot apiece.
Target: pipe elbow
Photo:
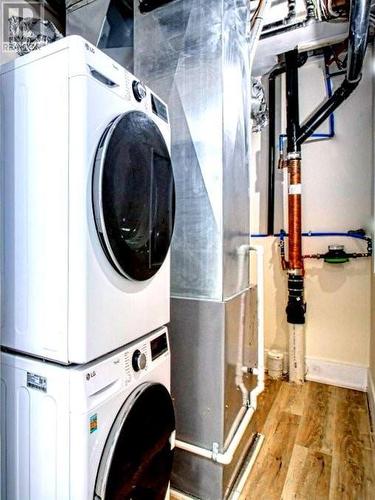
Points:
(243, 249)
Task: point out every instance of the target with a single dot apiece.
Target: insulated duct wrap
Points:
(28, 34)
(195, 56)
(259, 108)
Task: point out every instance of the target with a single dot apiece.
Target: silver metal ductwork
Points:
(194, 54)
(86, 18)
(108, 24)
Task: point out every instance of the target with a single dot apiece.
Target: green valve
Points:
(336, 260)
(336, 255)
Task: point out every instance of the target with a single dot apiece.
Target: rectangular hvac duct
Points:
(194, 55)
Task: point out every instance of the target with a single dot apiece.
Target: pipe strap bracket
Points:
(215, 451)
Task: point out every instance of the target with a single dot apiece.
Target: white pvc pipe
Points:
(296, 354)
(226, 457)
(243, 252)
(236, 422)
(259, 250)
(256, 30)
(221, 458)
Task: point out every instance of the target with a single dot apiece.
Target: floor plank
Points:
(308, 475)
(352, 462)
(297, 399)
(291, 398)
(317, 425)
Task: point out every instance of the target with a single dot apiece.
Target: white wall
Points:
(337, 196)
(371, 377)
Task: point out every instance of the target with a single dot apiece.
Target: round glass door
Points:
(137, 459)
(134, 196)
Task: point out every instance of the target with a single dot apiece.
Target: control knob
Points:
(139, 90)
(139, 361)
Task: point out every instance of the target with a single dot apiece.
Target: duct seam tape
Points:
(275, 364)
(295, 189)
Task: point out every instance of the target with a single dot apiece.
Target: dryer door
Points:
(134, 196)
(137, 459)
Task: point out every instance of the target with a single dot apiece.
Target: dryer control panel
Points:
(124, 367)
(141, 355)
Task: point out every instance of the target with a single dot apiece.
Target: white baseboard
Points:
(345, 375)
(371, 398)
(325, 371)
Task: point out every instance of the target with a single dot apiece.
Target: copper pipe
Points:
(294, 215)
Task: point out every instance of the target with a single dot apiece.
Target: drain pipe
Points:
(296, 307)
(226, 457)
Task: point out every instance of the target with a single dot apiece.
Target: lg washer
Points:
(101, 431)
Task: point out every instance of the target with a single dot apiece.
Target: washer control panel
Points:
(140, 355)
(126, 367)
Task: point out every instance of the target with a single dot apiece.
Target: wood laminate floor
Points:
(318, 444)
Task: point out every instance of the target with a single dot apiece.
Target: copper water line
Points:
(295, 216)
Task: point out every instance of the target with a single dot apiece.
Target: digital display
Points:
(159, 346)
(159, 108)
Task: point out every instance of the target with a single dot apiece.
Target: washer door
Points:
(134, 196)
(137, 459)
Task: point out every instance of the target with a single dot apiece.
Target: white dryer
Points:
(101, 431)
(88, 204)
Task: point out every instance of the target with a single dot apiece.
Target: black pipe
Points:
(357, 41)
(292, 104)
(328, 107)
(272, 147)
(279, 70)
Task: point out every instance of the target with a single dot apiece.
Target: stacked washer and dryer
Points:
(88, 215)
